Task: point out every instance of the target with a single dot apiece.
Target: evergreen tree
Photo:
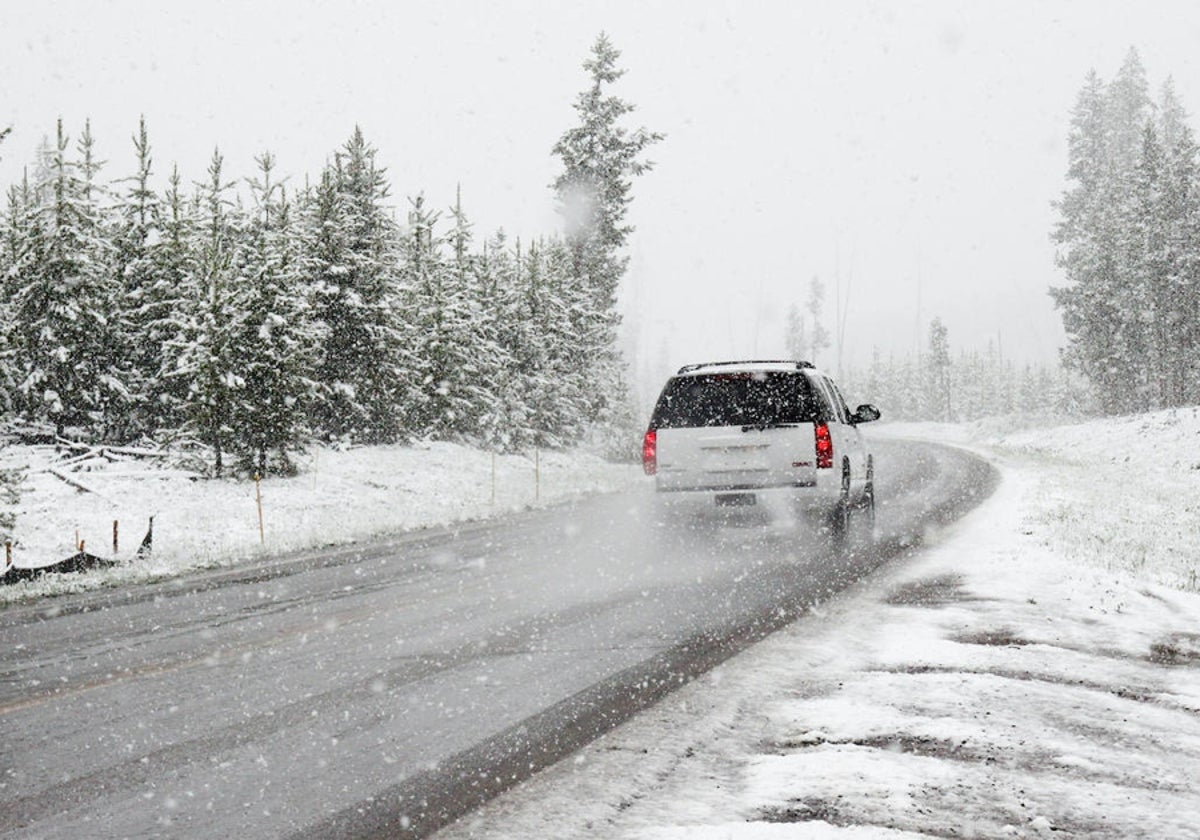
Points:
(937, 373)
(505, 422)
(63, 318)
(1179, 209)
(351, 242)
(23, 248)
(1104, 233)
(600, 158)
(1129, 236)
(10, 496)
(1085, 233)
(274, 345)
(479, 318)
(430, 405)
(1127, 108)
(169, 314)
(455, 343)
(209, 356)
(796, 334)
(819, 335)
(148, 300)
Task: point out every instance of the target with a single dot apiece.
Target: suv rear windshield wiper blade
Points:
(762, 427)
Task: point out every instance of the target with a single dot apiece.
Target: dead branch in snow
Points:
(78, 485)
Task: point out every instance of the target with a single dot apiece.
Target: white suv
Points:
(761, 433)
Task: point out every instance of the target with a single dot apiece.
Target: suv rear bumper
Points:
(723, 502)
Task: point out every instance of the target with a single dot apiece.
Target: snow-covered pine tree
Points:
(23, 245)
(1180, 208)
(1088, 315)
(503, 425)
(595, 401)
(1142, 294)
(819, 336)
(63, 317)
(208, 354)
(149, 298)
(1106, 129)
(795, 336)
(938, 382)
(275, 345)
(106, 352)
(10, 224)
(171, 308)
(468, 360)
(544, 352)
(487, 305)
(437, 313)
(351, 246)
(10, 496)
(600, 158)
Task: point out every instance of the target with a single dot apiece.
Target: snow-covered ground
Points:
(340, 496)
(1034, 673)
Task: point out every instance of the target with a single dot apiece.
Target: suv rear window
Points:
(735, 399)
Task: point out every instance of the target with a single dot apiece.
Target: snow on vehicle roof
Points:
(742, 366)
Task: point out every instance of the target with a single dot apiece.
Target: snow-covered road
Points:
(369, 689)
(1035, 672)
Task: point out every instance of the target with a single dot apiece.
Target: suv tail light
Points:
(650, 452)
(824, 447)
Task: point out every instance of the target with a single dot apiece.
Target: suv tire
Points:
(839, 517)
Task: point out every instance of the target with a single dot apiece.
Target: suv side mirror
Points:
(864, 414)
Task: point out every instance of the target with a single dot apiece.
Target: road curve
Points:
(385, 689)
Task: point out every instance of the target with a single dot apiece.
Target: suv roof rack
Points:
(799, 364)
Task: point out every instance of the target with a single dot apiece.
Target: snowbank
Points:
(340, 496)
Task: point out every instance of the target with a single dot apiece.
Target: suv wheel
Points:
(839, 517)
(867, 503)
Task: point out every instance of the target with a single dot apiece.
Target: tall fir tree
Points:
(275, 345)
(1129, 245)
(452, 349)
(169, 314)
(819, 336)
(63, 318)
(795, 336)
(504, 424)
(600, 157)
(939, 382)
(23, 248)
(149, 298)
(209, 358)
(351, 265)
(1180, 211)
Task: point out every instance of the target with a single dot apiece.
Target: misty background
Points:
(906, 155)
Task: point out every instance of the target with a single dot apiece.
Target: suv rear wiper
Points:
(762, 427)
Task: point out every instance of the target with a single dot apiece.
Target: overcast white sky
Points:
(887, 146)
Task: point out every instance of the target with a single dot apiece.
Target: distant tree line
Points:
(940, 385)
(257, 317)
(947, 386)
(1129, 240)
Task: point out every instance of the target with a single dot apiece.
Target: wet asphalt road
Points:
(382, 690)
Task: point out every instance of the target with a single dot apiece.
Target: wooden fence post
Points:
(262, 537)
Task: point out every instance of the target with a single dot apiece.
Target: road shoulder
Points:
(990, 687)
